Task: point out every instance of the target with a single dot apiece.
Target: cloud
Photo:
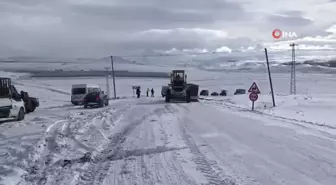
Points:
(289, 21)
(87, 28)
(292, 13)
(199, 35)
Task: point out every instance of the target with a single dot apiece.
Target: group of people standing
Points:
(138, 92)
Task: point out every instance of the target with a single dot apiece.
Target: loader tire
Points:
(21, 115)
(188, 97)
(168, 94)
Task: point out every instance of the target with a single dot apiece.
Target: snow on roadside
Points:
(318, 109)
(48, 95)
(11, 75)
(69, 139)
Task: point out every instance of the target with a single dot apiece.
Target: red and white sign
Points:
(253, 97)
(254, 89)
(277, 34)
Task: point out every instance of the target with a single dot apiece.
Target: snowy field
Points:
(146, 141)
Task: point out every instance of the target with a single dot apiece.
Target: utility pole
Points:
(293, 75)
(270, 77)
(113, 77)
(107, 82)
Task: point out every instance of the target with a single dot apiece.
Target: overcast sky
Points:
(97, 28)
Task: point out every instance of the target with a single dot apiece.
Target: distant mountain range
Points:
(31, 59)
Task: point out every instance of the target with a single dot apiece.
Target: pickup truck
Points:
(13, 104)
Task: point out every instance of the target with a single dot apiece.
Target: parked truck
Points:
(11, 104)
(14, 104)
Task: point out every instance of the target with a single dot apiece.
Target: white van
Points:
(78, 92)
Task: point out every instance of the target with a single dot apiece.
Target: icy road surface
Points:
(147, 141)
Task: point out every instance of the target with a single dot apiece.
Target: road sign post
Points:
(253, 97)
(254, 91)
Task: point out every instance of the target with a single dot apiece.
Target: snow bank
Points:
(318, 109)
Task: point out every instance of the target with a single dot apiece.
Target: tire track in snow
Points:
(146, 175)
(161, 168)
(211, 171)
(39, 168)
(138, 168)
(91, 119)
(97, 170)
(42, 167)
(170, 159)
(152, 161)
(174, 166)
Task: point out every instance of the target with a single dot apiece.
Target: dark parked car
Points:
(204, 93)
(214, 94)
(223, 93)
(95, 99)
(240, 91)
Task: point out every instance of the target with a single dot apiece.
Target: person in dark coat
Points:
(152, 91)
(147, 92)
(138, 92)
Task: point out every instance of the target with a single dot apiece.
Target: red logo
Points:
(277, 34)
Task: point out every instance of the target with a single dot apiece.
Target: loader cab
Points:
(178, 77)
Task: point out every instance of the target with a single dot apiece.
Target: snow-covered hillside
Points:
(308, 62)
(147, 141)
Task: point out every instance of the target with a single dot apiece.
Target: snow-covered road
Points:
(268, 151)
(147, 141)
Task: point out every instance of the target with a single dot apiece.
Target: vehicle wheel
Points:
(85, 106)
(21, 115)
(163, 96)
(188, 97)
(168, 96)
